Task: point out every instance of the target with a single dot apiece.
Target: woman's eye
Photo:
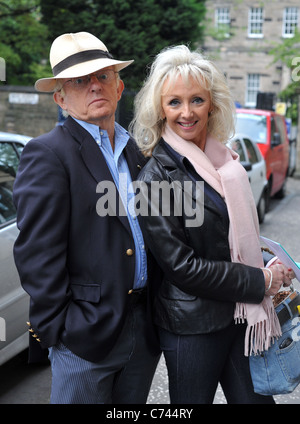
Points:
(174, 102)
(198, 100)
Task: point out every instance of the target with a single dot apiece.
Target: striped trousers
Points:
(123, 377)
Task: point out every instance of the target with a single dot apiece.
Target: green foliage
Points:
(131, 29)
(22, 40)
(288, 52)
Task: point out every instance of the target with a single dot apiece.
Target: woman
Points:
(213, 307)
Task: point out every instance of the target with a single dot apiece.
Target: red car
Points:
(268, 130)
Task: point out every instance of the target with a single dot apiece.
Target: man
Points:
(84, 268)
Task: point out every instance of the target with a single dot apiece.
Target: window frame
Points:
(255, 20)
(223, 20)
(291, 20)
(252, 89)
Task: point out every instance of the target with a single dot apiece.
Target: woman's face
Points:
(186, 108)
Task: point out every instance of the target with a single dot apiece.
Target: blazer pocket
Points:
(86, 292)
(169, 291)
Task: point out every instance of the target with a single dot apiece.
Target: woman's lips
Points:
(187, 124)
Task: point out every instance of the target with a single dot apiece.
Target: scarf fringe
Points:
(261, 335)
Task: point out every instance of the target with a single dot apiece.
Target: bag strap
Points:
(289, 309)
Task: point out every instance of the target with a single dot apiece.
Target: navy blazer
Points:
(76, 266)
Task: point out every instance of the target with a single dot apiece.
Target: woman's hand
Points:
(276, 276)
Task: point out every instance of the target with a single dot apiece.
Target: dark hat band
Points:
(80, 57)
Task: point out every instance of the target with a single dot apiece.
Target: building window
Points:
(255, 25)
(253, 85)
(290, 21)
(222, 19)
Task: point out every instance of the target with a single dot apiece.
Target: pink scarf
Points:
(219, 166)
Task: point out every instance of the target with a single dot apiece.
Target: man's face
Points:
(92, 98)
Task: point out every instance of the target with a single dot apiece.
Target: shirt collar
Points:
(121, 135)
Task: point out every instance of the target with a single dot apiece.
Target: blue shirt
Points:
(117, 165)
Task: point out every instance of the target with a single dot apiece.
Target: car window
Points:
(273, 129)
(280, 128)
(251, 152)
(255, 126)
(237, 147)
(8, 166)
(9, 159)
(19, 147)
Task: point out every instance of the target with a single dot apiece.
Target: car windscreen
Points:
(8, 168)
(254, 126)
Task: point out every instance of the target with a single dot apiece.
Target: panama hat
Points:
(75, 55)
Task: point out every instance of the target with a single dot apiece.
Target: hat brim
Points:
(48, 85)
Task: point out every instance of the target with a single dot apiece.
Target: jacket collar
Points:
(93, 158)
(176, 173)
(95, 161)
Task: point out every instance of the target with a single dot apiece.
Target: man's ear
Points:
(59, 99)
(120, 89)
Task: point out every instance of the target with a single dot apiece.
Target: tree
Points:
(288, 53)
(22, 40)
(132, 29)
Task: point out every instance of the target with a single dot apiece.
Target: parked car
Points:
(252, 160)
(293, 157)
(14, 302)
(268, 130)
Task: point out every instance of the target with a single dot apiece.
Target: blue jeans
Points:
(123, 377)
(197, 363)
(277, 371)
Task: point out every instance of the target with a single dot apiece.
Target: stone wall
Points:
(240, 54)
(24, 111)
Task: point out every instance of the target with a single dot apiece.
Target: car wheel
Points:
(281, 193)
(261, 207)
(267, 194)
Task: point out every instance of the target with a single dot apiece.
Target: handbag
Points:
(277, 370)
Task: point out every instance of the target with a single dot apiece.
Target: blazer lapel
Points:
(94, 160)
(134, 158)
(90, 152)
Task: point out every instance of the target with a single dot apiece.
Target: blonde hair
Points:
(147, 124)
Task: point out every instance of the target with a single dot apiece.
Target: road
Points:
(21, 383)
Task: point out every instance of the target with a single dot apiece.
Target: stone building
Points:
(239, 37)
(25, 111)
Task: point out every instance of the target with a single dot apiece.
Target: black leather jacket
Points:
(200, 284)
